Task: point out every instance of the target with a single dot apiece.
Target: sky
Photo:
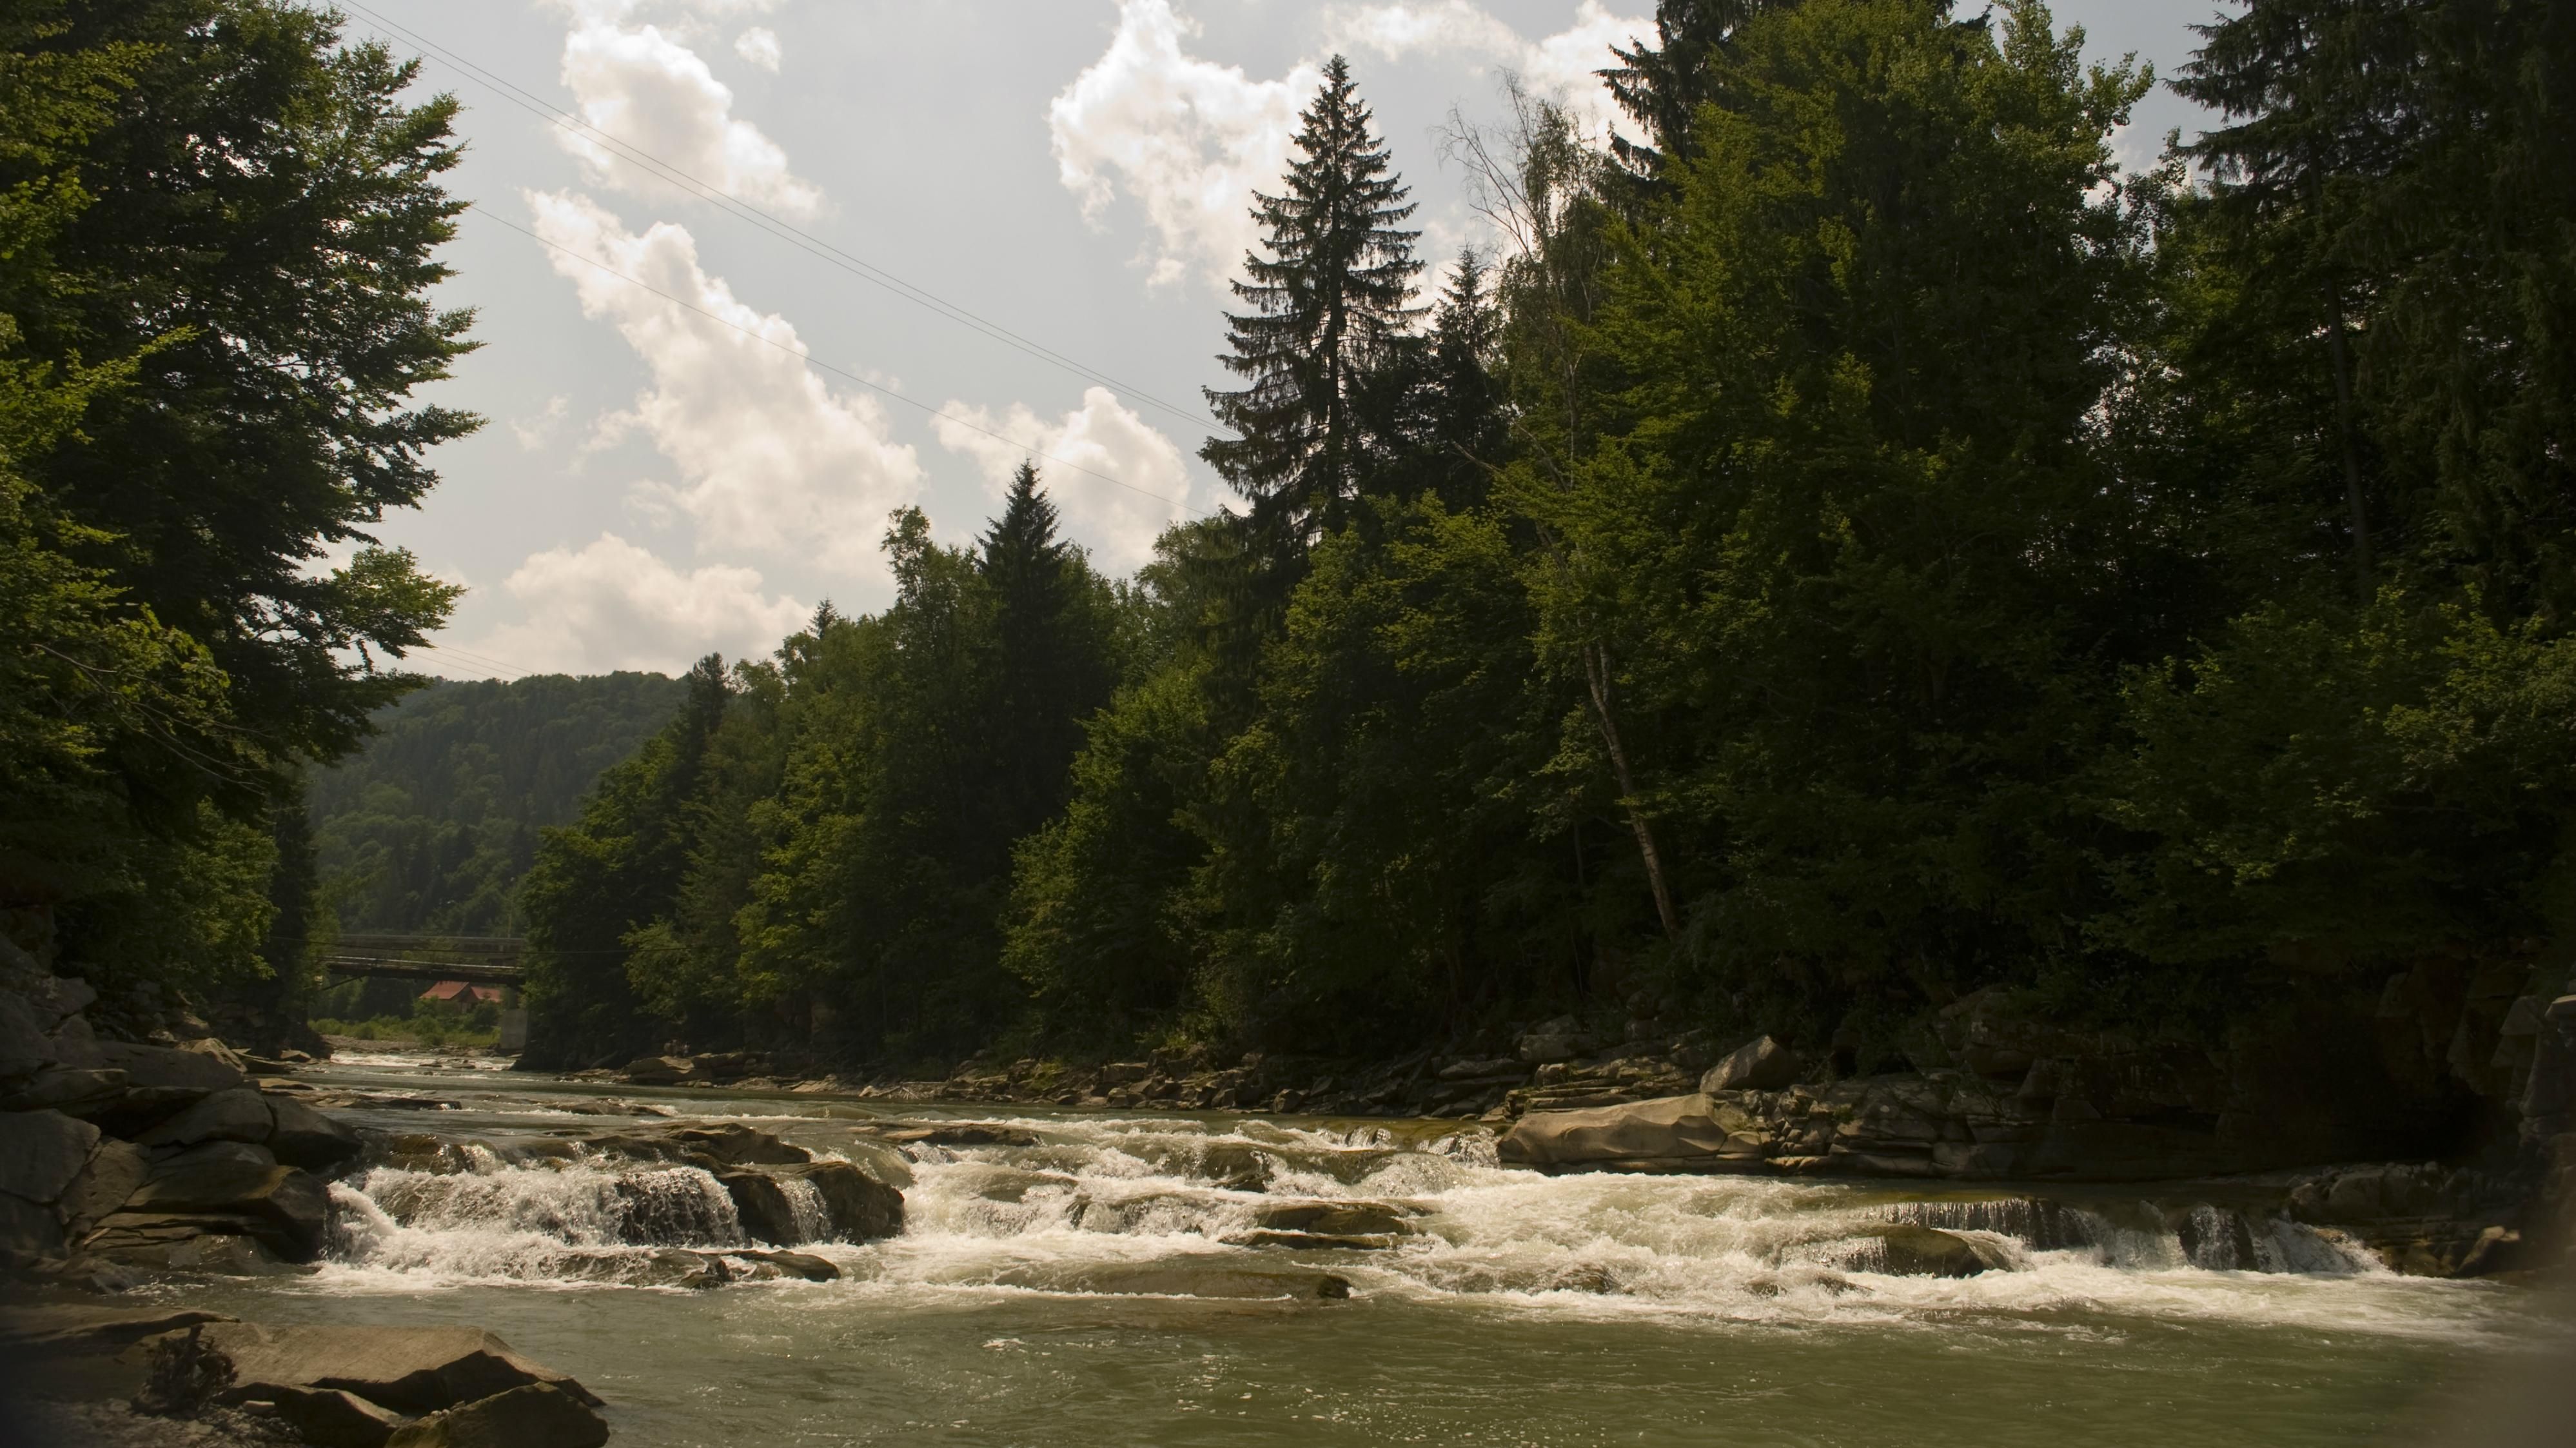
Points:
(960, 233)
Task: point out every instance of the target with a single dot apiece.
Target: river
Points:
(1069, 1288)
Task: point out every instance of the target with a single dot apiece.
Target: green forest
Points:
(1853, 545)
(428, 829)
(1848, 543)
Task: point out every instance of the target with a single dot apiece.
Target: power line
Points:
(809, 360)
(507, 670)
(784, 230)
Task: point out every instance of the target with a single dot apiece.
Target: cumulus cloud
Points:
(1187, 139)
(645, 86)
(758, 46)
(537, 429)
(769, 457)
(1561, 66)
(1118, 524)
(615, 605)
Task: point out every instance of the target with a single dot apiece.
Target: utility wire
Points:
(742, 210)
(811, 361)
(505, 670)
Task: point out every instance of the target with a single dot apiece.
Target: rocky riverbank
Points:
(100, 1377)
(2437, 1122)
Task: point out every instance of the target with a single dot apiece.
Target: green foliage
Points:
(1860, 546)
(429, 828)
(216, 232)
(439, 1025)
(819, 847)
(1328, 306)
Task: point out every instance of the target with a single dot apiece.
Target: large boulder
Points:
(29, 1234)
(1561, 1039)
(861, 1208)
(1760, 1065)
(407, 1369)
(302, 1136)
(41, 1152)
(171, 1068)
(78, 1091)
(762, 1204)
(237, 1114)
(115, 1172)
(322, 1417)
(1668, 1130)
(735, 1144)
(23, 1047)
(536, 1416)
(285, 1207)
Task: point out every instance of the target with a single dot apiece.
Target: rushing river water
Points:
(1073, 1287)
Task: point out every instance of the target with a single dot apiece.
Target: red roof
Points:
(457, 990)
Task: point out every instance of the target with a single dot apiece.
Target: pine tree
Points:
(1326, 305)
(1662, 86)
(1051, 669)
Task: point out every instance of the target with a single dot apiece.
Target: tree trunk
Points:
(2336, 348)
(1597, 674)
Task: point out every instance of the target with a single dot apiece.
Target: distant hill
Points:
(431, 826)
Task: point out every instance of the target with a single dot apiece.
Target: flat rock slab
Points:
(72, 1329)
(536, 1416)
(407, 1369)
(323, 1417)
(1672, 1127)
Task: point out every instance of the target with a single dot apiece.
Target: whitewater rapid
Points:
(1074, 1206)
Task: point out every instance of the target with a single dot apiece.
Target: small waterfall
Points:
(584, 1220)
(805, 1206)
(2035, 1222)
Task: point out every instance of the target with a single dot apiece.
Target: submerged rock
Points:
(1906, 1250)
(1181, 1278)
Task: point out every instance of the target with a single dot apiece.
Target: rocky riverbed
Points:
(1172, 1250)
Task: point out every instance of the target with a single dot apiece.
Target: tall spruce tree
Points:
(1051, 648)
(1326, 306)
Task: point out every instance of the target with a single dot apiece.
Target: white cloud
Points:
(614, 605)
(535, 431)
(1561, 66)
(646, 87)
(1118, 524)
(758, 46)
(769, 457)
(1188, 139)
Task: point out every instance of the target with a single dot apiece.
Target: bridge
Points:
(479, 959)
(473, 959)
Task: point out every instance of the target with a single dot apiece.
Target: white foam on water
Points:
(578, 1221)
(1099, 1197)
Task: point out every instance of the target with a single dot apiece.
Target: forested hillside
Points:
(1857, 545)
(431, 825)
